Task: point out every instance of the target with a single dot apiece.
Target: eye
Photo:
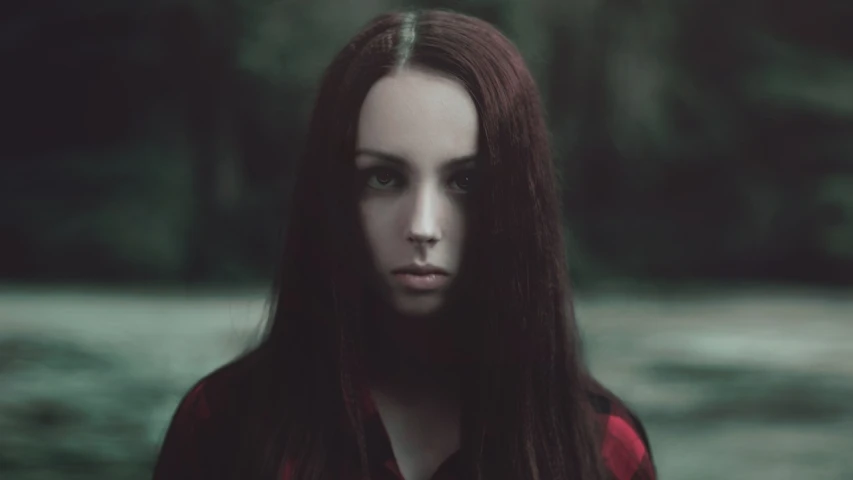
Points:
(462, 181)
(382, 178)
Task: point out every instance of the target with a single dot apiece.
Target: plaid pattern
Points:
(196, 445)
(626, 450)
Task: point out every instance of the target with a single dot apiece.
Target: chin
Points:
(418, 306)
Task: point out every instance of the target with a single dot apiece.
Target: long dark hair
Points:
(525, 411)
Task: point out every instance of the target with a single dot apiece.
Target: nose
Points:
(424, 228)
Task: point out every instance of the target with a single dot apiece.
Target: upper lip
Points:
(415, 269)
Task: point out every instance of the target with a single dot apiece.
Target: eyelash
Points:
(369, 174)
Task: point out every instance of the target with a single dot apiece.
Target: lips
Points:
(416, 269)
(421, 278)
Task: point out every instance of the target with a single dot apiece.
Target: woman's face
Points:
(415, 150)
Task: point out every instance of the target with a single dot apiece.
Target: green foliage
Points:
(119, 212)
(835, 233)
(717, 134)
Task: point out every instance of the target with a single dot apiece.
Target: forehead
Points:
(418, 115)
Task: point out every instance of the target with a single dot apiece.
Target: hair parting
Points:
(407, 35)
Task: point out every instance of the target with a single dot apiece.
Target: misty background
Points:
(706, 153)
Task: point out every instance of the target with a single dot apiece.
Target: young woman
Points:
(422, 325)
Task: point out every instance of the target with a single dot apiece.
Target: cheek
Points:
(456, 231)
(457, 222)
(377, 221)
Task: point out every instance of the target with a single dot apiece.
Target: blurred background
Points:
(706, 150)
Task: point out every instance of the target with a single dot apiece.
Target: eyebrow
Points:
(400, 161)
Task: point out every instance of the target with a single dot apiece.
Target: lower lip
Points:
(423, 283)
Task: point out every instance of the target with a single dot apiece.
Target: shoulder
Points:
(202, 426)
(625, 446)
(213, 395)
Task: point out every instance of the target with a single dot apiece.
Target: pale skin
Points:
(416, 143)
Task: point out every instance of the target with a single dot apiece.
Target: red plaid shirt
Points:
(196, 443)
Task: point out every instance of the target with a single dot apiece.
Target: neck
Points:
(412, 353)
